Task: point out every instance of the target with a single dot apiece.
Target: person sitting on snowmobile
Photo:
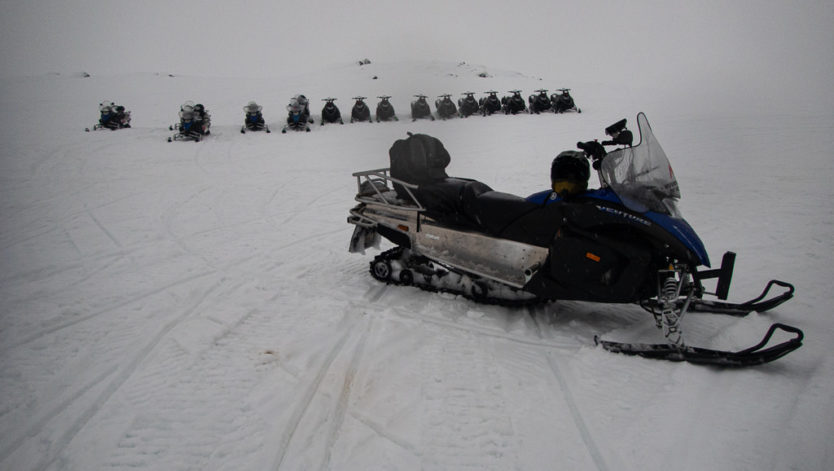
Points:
(569, 174)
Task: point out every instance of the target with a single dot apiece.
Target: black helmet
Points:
(570, 165)
(569, 173)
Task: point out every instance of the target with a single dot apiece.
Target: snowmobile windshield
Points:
(642, 176)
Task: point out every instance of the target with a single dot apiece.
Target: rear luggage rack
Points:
(376, 187)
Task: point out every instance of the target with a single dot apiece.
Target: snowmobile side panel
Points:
(507, 261)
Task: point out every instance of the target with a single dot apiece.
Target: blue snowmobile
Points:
(626, 242)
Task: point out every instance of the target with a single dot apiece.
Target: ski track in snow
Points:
(192, 306)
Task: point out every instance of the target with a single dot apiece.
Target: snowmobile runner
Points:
(420, 108)
(298, 115)
(540, 102)
(385, 110)
(563, 102)
(111, 116)
(468, 105)
(445, 107)
(513, 104)
(490, 104)
(624, 243)
(360, 111)
(253, 119)
(330, 113)
(195, 123)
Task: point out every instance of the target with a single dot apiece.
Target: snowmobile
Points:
(420, 109)
(330, 113)
(254, 119)
(298, 115)
(513, 104)
(623, 243)
(490, 104)
(385, 110)
(360, 111)
(195, 123)
(468, 105)
(111, 116)
(540, 102)
(563, 102)
(445, 107)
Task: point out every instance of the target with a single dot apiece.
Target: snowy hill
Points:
(194, 306)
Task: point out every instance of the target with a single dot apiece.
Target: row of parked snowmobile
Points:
(195, 120)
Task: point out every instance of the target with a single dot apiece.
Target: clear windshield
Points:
(642, 176)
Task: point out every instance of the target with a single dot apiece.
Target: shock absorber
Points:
(670, 316)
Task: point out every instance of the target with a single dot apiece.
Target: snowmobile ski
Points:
(755, 355)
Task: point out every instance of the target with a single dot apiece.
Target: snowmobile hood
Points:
(678, 227)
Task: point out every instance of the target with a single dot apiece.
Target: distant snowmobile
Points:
(540, 102)
(253, 119)
(111, 116)
(385, 110)
(491, 103)
(360, 111)
(513, 104)
(330, 113)
(298, 115)
(468, 105)
(445, 107)
(420, 108)
(563, 102)
(194, 125)
(623, 243)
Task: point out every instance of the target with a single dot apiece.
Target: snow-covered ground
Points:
(194, 306)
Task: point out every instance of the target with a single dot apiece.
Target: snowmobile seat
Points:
(448, 200)
(494, 211)
(470, 204)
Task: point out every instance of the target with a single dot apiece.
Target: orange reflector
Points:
(402, 228)
(592, 256)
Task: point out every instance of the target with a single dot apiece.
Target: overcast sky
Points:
(761, 46)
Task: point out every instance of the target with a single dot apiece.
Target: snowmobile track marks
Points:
(467, 425)
(579, 422)
(123, 371)
(77, 320)
(307, 396)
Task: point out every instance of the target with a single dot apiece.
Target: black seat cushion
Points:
(493, 211)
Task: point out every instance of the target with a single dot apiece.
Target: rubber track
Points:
(396, 254)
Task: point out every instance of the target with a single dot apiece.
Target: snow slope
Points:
(193, 306)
